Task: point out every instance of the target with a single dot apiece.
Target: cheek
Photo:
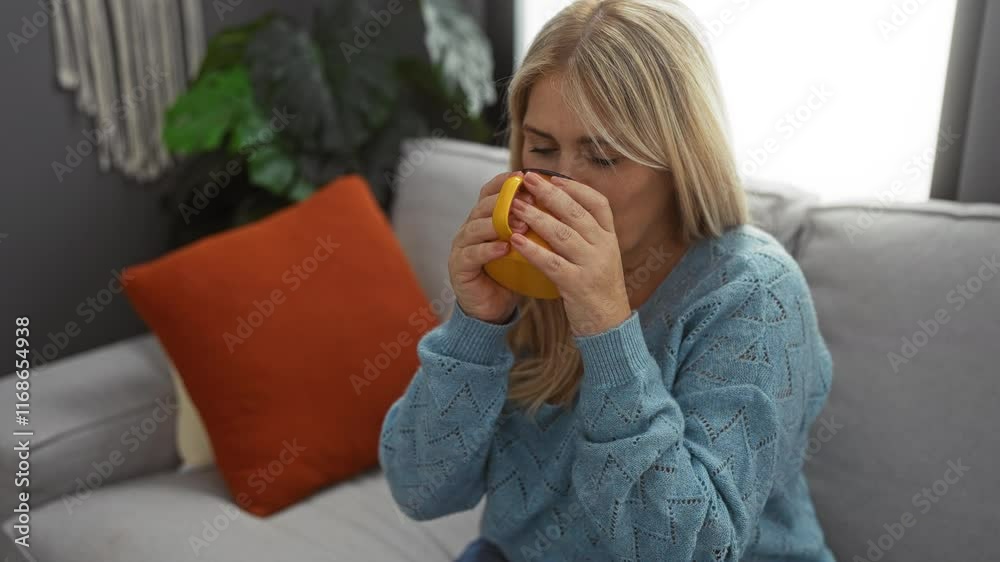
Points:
(617, 200)
(635, 210)
(624, 200)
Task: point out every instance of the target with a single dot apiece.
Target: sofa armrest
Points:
(98, 417)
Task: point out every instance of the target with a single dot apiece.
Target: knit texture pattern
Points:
(685, 441)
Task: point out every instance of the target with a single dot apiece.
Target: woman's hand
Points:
(585, 261)
(476, 244)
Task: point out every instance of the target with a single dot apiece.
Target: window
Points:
(839, 98)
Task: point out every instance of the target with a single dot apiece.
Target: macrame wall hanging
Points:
(128, 60)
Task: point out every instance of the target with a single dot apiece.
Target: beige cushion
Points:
(193, 444)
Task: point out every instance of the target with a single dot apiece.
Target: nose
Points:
(570, 166)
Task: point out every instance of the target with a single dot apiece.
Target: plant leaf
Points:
(368, 95)
(458, 46)
(228, 47)
(200, 118)
(450, 107)
(301, 190)
(359, 66)
(272, 169)
(250, 130)
(287, 72)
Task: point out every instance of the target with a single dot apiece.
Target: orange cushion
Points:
(293, 336)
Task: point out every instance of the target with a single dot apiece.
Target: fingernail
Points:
(531, 178)
(518, 205)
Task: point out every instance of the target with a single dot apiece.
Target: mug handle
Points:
(501, 212)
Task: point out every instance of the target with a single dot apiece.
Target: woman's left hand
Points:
(585, 262)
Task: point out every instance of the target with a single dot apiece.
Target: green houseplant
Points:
(277, 110)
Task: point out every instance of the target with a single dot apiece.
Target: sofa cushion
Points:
(439, 182)
(189, 516)
(194, 446)
(914, 395)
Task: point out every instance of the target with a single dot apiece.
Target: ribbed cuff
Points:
(474, 341)
(616, 356)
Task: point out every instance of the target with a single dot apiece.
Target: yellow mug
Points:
(512, 270)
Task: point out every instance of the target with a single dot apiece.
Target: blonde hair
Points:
(639, 77)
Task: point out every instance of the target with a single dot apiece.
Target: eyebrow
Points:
(580, 141)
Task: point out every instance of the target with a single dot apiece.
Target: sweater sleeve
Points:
(435, 439)
(686, 476)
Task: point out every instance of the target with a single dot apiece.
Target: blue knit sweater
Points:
(685, 441)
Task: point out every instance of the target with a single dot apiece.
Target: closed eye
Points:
(602, 162)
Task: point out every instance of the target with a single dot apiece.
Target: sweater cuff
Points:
(472, 340)
(616, 356)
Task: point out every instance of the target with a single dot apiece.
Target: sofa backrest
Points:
(908, 300)
(886, 455)
(438, 183)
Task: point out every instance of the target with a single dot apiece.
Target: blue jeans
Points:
(481, 550)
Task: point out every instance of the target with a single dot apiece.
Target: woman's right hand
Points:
(476, 244)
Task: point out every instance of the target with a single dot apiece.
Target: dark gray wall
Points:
(64, 239)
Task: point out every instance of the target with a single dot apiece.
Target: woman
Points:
(659, 409)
